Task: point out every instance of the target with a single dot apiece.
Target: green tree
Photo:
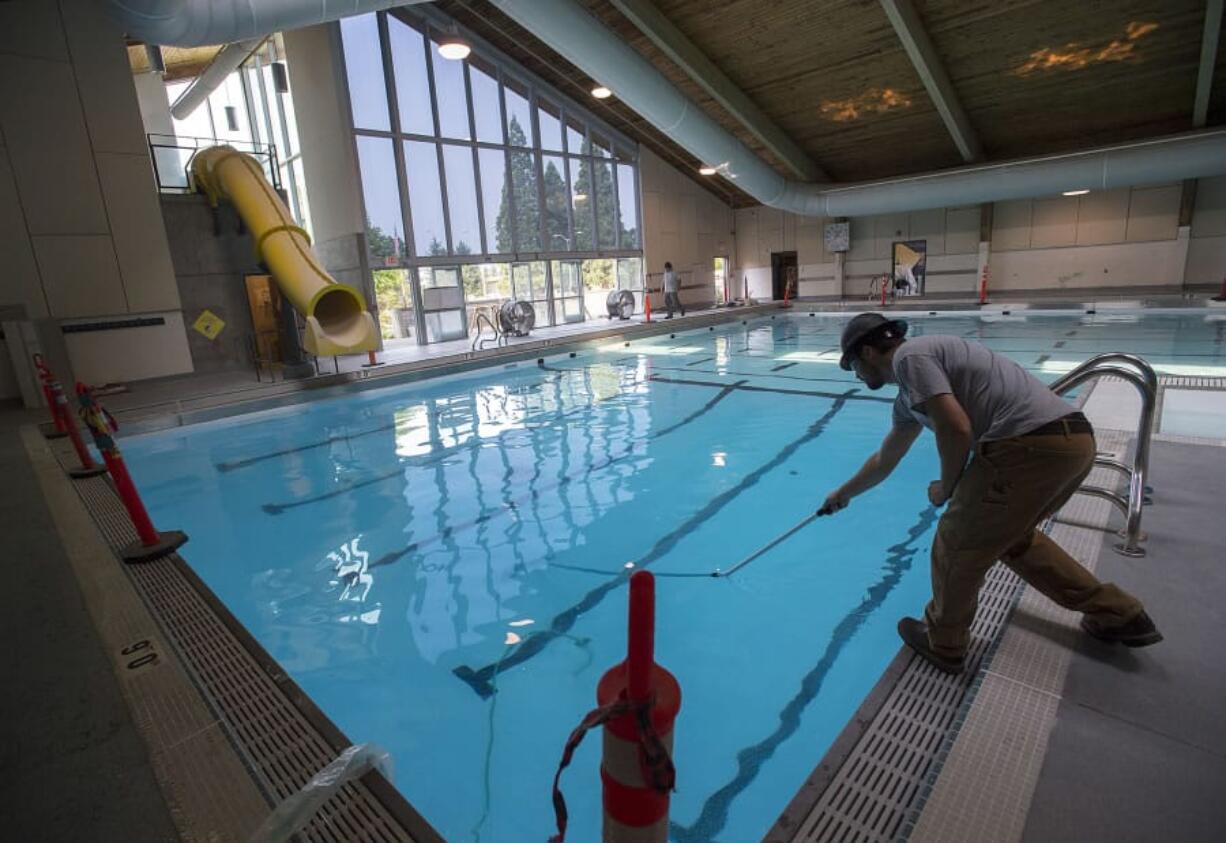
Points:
(556, 200)
(384, 249)
(520, 183)
(437, 248)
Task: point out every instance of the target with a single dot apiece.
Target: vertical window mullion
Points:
(472, 122)
(508, 182)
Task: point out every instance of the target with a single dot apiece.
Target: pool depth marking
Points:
(749, 761)
(481, 679)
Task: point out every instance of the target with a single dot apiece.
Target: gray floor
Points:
(1139, 748)
(72, 764)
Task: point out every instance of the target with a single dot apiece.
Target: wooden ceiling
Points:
(1033, 76)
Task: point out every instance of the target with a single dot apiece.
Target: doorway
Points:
(783, 274)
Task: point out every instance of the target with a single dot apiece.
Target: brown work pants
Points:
(1010, 486)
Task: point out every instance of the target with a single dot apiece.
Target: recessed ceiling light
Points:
(580, 197)
(600, 92)
(1081, 192)
(454, 47)
(707, 170)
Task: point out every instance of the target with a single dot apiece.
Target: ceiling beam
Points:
(1208, 59)
(923, 55)
(686, 55)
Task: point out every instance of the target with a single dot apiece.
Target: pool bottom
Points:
(276, 731)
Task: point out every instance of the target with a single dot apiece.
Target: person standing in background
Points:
(671, 299)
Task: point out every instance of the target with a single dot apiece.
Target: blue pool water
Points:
(441, 565)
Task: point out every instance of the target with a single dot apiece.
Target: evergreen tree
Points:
(556, 236)
(522, 180)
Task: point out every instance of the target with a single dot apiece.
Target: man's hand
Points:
(836, 500)
(936, 493)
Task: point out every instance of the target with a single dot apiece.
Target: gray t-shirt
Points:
(670, 281)
(1001, 398)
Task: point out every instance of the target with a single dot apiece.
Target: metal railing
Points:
(172, 159)
(1143, 377)
(498, 338)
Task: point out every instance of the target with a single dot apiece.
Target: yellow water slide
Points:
(337, 321)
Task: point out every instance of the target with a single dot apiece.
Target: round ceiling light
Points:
(600, 92)
(454, 47)
(1082, 192)
(707, 170)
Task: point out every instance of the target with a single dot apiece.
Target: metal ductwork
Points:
(195, 23)
(228, 60)
(586, 43)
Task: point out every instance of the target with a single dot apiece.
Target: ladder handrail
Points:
(480, 331)
(1146, 382)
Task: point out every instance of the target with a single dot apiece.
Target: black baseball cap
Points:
(863, 327)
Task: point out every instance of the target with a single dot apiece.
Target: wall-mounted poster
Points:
(910, 267)
(838, 236)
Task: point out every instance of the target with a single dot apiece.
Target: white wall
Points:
(1207, 249)
(684, 224)
(1118, 238)
(81, 230)
(130, 354)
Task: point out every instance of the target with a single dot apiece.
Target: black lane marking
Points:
(1043, 358)
(752, 375)
(705, 408)
(783, 366)
(1059, 344)
(507, 506)
(749, 761)
(703, 360)
(481, 679)
(331, 440)
(1071, 333)
(847, 396)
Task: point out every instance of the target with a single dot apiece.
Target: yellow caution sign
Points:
(209, 324)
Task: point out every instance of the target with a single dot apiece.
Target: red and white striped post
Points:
(151, 544)
(88, 467)
(636, 795)
(45, 377)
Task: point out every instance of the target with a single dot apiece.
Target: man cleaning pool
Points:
(1029, 451)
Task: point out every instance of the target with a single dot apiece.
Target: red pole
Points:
(983, 286)
(647, 302)
(371, 361)
(640, 649)
(88, 467)
(636, 771)
(884, 280)
(1222, 295)
(152, 544)
(45, 377)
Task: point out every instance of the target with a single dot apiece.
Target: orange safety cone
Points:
(371, 361)
(983, 286)
(647, 304)
(787, 296)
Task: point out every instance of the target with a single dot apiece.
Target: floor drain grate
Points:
(279, 744)
(874, 790)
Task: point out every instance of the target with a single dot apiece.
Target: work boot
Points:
(1138, 632)
(914, 634)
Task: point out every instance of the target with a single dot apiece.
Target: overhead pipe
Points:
(228, 60)
(585, 42)
(196, 23)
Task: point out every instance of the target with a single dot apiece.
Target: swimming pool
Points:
(441, 565)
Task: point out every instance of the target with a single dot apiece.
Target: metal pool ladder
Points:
(1142, 376)
(498, 340)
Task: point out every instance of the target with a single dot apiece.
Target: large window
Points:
(508, 187)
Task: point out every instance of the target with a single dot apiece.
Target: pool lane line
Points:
(1041, 359)
(703, 360)
(703, 410)
(331, 440)
(734, 373)
(480, 679)
(846, 396)
(749, 761)
(783, 366)
(514, 504)
(419, 462)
